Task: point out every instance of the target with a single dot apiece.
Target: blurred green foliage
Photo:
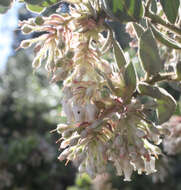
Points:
(82, 182)
(28, 151)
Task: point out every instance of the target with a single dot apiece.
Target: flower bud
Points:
(138, 142)
(132, 152)
(82, 167)
(127, 170)
(138, 165)
(90, 167)
(39, 20)
(67, 108)
(67, 134)
(65, 143)
(26, 29)
(70, 54)
(61, 44)
(140, 133)
(62, 128)
(74, 140)
(91, 112)
(79, 113)
(26, 44)
(152, 164)
(59, 62)
(79, 159)
(67, 92)
(143, 151)
(60, 75)
(122, 151)
(106, 67)
(64, 154)
(149, 167)
(118, 168)
(36, 63)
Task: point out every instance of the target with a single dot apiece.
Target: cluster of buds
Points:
(115, 134)
(172, 142)
(51, 44)
(105, 122)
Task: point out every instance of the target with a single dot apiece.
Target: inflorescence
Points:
(103, 126)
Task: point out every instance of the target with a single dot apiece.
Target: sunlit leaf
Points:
(166, 104)
(138, 29)
(119, 56)
(44, 3)
(154, 6)
(33, 2)
(124, 10)
(170, 7)
(178, 69)
(50, 10)
(130, 79)
(164, 39)
(34, 8)
(149, 54)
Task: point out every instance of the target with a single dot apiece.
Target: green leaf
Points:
(154, 6)
(48, 3)
(124, 10)
(46, 7)
(33, 2)
(138, 29)
(119, 56)
(149, 107)
(166, 104)
(109, 82)
(170, 7)
(34, 8)
(178, 70)
(41, 3)
(130, 80)
(164, 39)
(50, 10)
(176, 85)
(148, 53)
(165, 110)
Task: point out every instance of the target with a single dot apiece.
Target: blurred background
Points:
(30, 108)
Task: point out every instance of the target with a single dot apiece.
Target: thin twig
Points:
(156, 19)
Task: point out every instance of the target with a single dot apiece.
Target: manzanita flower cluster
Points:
(107, 106)
(172, 142)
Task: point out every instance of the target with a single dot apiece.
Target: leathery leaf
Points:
(124, 10)
(130, 80)
(149, 54)
(166, 104)
(170, 7)
(119, 56)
